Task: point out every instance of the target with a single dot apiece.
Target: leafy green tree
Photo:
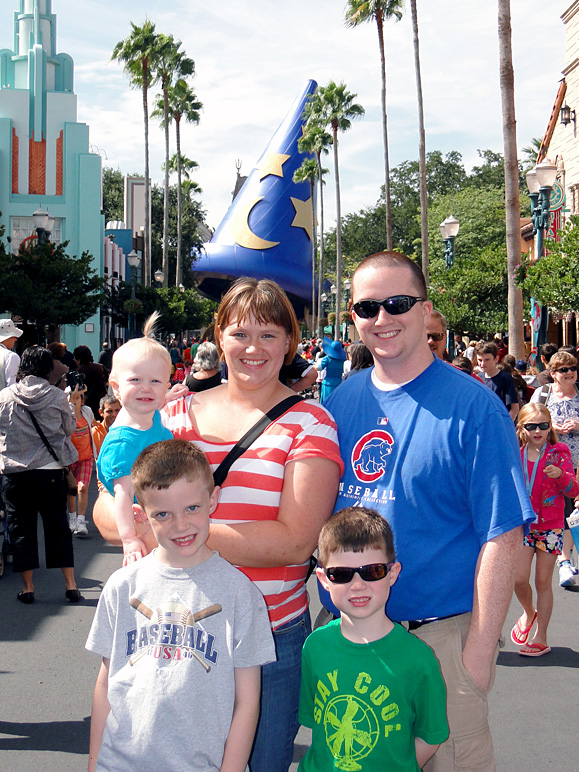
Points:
(171, 63)
(552, 280)
(43, 283)
(334, 106)
(358, 12)
(113, 184)
(138, 54)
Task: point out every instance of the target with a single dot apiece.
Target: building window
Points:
(23, 227)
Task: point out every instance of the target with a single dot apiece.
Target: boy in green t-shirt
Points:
(371, 692)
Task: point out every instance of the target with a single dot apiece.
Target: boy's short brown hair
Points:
(355, 529)
(161, 464)
(485, 347)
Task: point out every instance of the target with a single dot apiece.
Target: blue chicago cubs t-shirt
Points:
(439, 459)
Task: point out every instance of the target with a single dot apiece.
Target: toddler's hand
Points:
(554, 472)
(133, 550)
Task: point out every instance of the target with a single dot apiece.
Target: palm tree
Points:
(531, 153)
(137, 52)
(334, 106)
(421, 145)
(308, 172)
(317, 140)
(184, 105)
(357, 12)
(171, 63)
(513, 222)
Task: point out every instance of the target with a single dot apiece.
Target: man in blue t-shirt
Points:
(435, 452)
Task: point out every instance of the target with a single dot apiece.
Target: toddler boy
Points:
(182, 634)
(371, 692)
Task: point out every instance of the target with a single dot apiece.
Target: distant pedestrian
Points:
(333, 364)
(106, 357)
(9, 360)
(549, 476)
(96, 377)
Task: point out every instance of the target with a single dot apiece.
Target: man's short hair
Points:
(398, 260)
(441, 318)
(547, 351)
(355, 529)
(161, 464)
(108, 399)
(487, 347)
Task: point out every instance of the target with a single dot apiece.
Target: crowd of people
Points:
(220, 483)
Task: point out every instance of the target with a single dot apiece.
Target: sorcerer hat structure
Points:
(268, 229)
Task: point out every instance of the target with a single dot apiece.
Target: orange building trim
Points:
(59, 166)
(553, 118)
(14, 161)
(37, 167)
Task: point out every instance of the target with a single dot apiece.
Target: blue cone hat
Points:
(268, 230)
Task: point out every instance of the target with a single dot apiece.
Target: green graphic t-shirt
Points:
(365, 703)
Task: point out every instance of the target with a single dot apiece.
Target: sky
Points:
(253, 57)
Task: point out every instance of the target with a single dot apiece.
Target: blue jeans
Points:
(280, 696)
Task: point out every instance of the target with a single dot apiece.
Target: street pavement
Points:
(47, 677)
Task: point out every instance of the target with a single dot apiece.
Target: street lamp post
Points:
(334, 290)
(449, 230)
(159, 277)
(540, 181)
(134, 260)
(347, 288)
(43, 224)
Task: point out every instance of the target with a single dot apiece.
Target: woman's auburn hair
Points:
(266, 302)
(562, 359)
(527, 414)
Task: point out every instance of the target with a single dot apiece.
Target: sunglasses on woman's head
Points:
(373, 572)
(394, 305)
(542, 426)
(572, 369)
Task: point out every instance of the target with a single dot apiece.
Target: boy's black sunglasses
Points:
(572, 369)
(373, 572)
(395, 305)
(542, 426)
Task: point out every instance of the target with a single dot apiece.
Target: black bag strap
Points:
(43, 438)
(250, 437)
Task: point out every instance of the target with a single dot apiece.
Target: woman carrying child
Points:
(550, 477)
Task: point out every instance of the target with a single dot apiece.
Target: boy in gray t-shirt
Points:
(182, 634)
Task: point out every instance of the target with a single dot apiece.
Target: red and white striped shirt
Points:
(252, 490)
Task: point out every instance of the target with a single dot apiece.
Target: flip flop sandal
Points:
(519, 634)
(534, 650)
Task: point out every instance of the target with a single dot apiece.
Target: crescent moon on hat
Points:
(241, 231)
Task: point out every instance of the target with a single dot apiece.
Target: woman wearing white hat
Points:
(9, 360)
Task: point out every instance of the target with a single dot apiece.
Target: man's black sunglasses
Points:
(373, 572)
(395, 305)
(542, 426)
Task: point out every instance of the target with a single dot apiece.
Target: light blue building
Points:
(44, 152)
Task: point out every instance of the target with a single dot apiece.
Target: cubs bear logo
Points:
(369, 455)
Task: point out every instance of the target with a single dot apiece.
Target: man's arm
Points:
(244, 721)
(100, 710)
(493, 589)
(305, 381)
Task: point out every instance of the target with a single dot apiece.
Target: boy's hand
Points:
(553, 471)
(133, 550)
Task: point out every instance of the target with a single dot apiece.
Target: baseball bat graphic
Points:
(190, 620)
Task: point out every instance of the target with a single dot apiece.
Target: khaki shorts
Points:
(470, 746)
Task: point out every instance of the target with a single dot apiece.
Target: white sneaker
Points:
(566, 574)
(72, 522)
(81, 529)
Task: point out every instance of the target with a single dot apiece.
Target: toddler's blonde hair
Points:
(143, 347)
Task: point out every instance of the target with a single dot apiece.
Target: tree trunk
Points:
(179, 268)
(321, 264)
(421, 146)
(512, 208)
(338, 234)
(314, 250)
(380, 24)
(166, 189)
(147, 240)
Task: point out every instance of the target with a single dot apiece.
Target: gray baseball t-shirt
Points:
(174, 637)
